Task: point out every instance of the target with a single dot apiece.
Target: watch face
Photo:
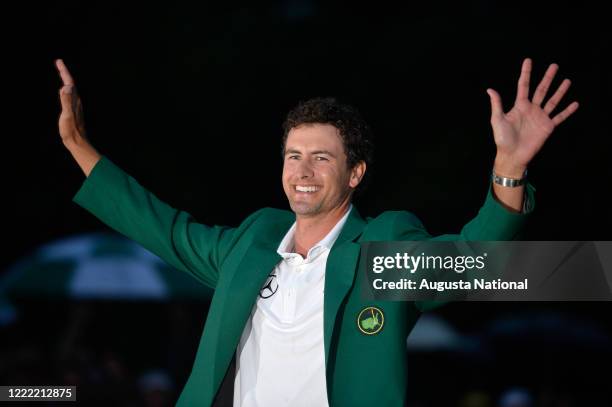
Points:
(509, 182)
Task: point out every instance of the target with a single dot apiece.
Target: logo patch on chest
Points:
(370, 320)
(270, 287)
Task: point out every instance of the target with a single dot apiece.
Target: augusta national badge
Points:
(370, 320)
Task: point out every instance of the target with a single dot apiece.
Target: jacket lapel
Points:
(340, 274)
(242, 290)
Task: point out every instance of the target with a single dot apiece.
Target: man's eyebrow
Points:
(323, 152)
(329, 153)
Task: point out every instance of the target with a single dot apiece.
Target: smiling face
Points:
(316, 178)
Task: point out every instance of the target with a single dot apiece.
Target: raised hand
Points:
(72, 124)
(521, 133)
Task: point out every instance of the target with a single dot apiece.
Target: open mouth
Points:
(309, 189)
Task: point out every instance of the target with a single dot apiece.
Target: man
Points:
(286, 300)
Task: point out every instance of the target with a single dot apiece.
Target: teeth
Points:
(306, 189)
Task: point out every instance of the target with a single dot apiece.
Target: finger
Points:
(557, 96)
(522, 91)
(64, 73)
(66, 99)
(544, 85)
(497, 108)
(567, 112)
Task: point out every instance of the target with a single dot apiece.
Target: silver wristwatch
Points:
(508, 182)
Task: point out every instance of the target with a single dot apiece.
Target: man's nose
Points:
(305, 169)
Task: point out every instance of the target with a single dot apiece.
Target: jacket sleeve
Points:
(492, 223)
(123, 204)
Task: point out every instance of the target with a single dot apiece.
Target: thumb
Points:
(67, 93)
(497, 109)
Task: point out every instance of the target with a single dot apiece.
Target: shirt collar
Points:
(326, 243)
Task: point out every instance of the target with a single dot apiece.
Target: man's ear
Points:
(357, 174)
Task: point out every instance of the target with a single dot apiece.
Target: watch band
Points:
(508, 182)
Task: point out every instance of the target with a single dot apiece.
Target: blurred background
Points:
(189, 99)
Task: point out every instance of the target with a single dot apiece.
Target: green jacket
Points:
(362, 370)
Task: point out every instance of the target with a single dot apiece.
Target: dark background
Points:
(189, 98)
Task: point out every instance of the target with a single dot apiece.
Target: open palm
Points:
(521, 133)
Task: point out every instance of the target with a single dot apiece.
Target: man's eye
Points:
(322, 159)
(293, 157)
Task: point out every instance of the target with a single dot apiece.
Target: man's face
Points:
(316, 178)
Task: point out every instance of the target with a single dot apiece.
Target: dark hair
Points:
(355, 133)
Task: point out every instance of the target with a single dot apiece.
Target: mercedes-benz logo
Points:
(270, 287)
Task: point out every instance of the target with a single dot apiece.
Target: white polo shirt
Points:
(281, 356)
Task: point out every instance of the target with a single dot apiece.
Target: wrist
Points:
(84, 154)
(509, 168)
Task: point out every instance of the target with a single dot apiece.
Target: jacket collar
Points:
(352, 228)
